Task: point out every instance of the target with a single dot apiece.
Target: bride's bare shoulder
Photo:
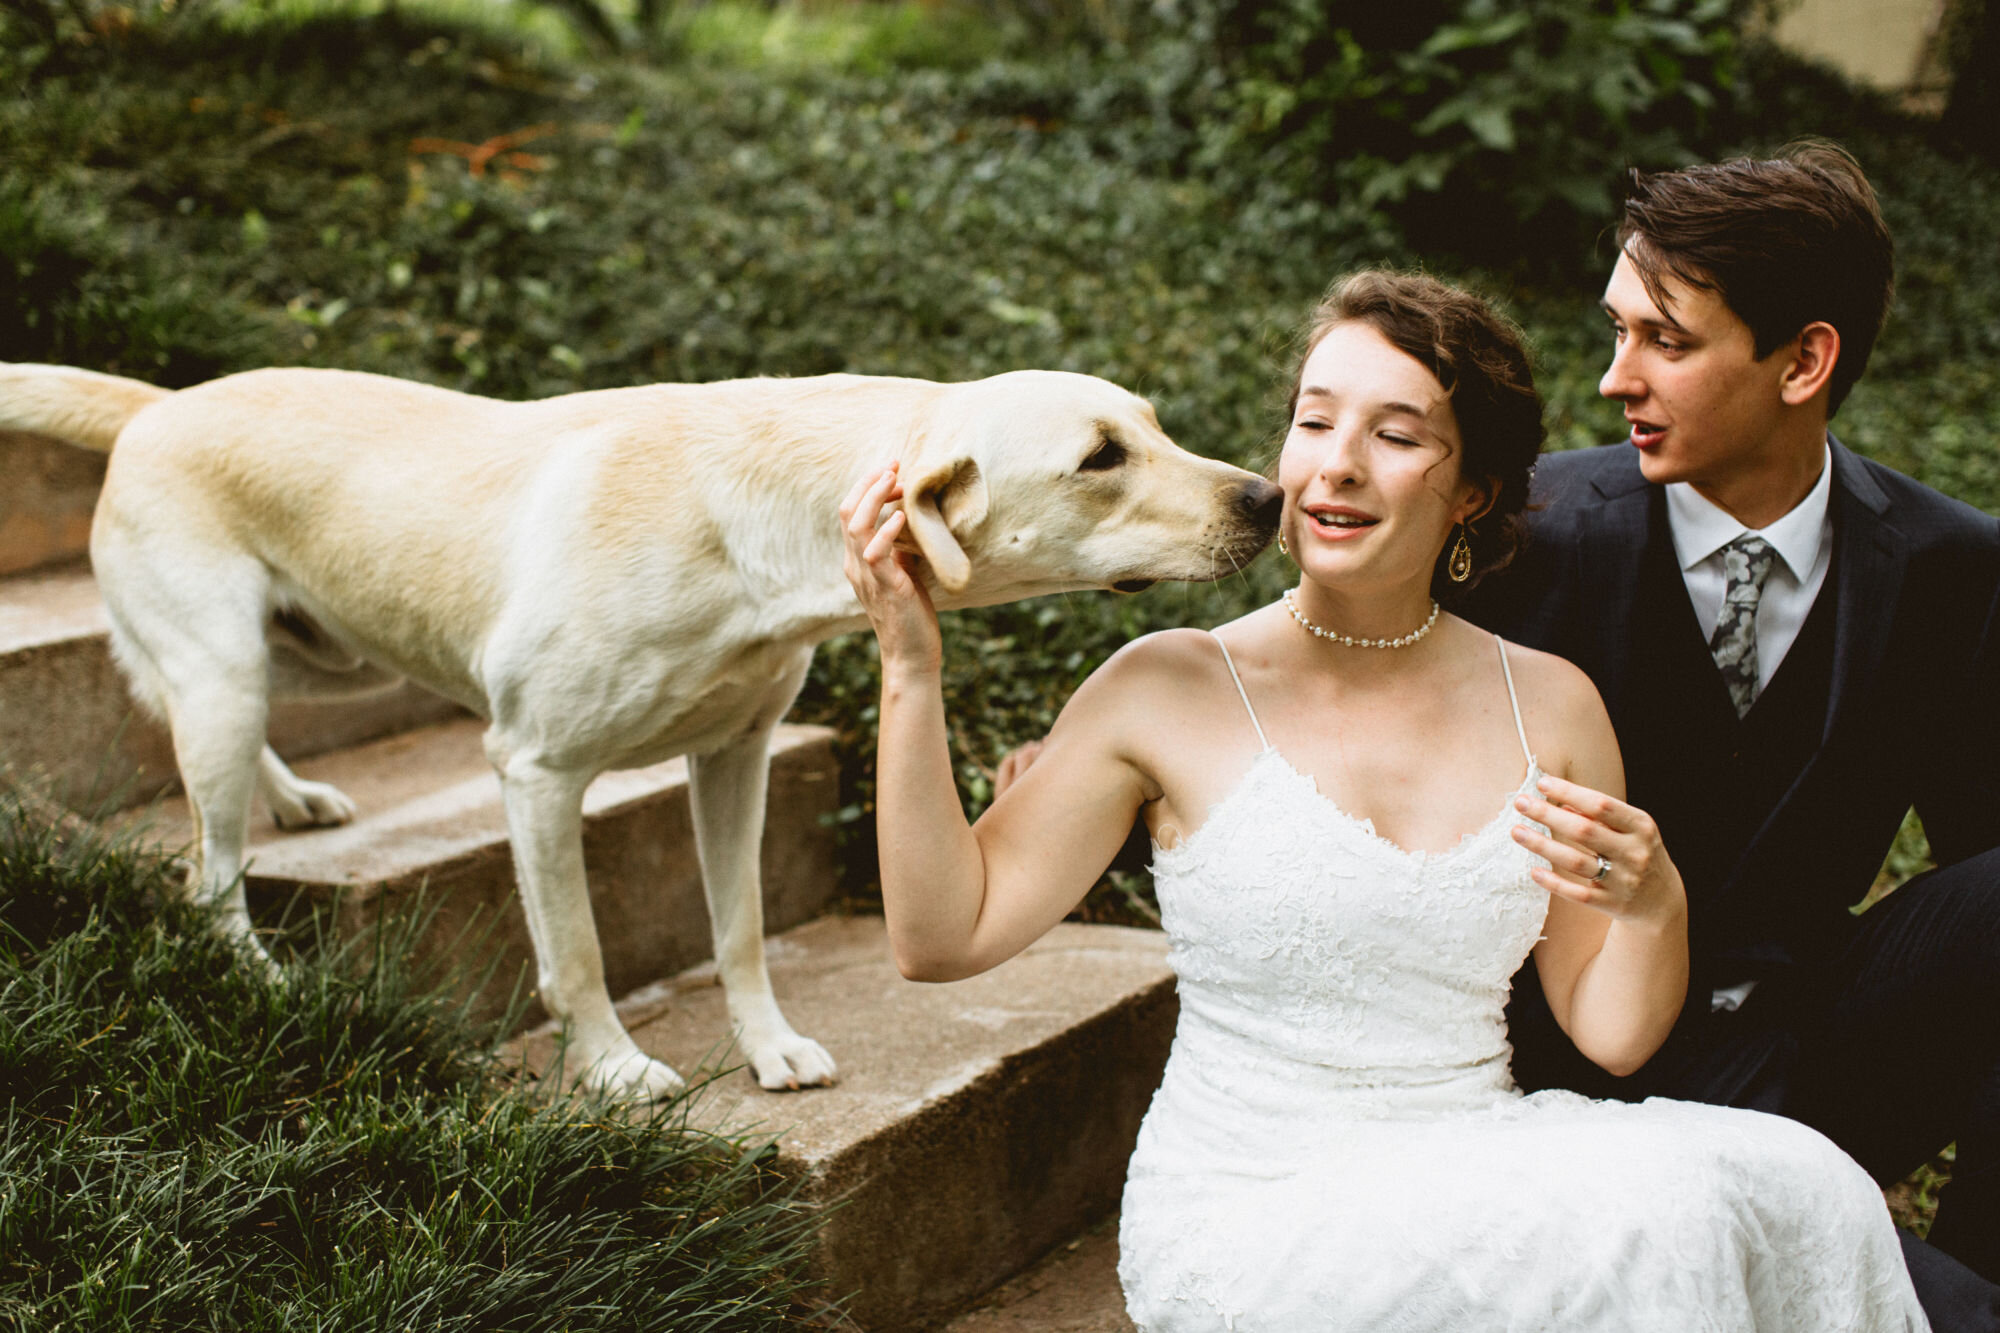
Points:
(1151, 684)
(1551, 682)
(1162, 662)
(1169, 683)
(1170, 649)
(1558, 675)
(1559, 705)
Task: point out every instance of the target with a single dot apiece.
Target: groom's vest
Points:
(1709, 778)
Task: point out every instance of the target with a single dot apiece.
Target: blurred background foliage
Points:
(524, 199)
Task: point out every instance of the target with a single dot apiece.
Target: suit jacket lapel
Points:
(1868, 557)
(1866, 580)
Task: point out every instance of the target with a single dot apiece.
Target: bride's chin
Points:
(1351, 598)
(1348, 580)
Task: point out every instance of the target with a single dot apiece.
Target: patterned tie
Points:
(1746, 563)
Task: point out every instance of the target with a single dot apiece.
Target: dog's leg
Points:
(545, 827)
(727, 789)
(302, 666)
(187, 631)
(217, 733)
(296, 803)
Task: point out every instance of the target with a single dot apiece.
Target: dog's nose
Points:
(1261, 503)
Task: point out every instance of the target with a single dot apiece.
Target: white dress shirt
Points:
(1803, 540)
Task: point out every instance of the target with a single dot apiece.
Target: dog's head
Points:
(1044, 481)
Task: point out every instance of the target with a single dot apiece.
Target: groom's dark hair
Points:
(1480, 358)
(1785, 241)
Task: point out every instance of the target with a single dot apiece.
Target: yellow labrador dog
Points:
(609, 578)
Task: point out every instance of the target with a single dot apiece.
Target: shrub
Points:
(1486, 129)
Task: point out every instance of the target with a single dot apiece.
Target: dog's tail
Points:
(79, 407)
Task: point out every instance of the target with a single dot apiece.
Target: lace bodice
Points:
(1334, 946)
(1300, 932)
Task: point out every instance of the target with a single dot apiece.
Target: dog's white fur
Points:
(609, 578)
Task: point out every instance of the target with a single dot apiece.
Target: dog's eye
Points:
(1105, 457)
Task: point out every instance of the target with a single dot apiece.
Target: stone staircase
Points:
(976, 1127)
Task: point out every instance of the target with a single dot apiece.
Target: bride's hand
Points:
(1603, 853)
(884, 578)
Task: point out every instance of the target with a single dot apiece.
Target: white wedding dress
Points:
(1338, 1143)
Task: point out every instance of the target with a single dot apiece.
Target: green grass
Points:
(188, 1146)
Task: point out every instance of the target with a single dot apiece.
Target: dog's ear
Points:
(944, 502)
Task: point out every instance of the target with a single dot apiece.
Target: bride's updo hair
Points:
(1480, 357)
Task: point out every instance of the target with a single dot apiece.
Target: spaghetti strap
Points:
(1230, 662)
(1512, 698)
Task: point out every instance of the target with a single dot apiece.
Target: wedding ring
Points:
(1603, 869)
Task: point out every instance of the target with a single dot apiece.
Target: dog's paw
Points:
(311, 805)
(634, 1077)
(790, 1062)
(252, 951)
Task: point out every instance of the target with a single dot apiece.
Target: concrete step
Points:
(976, 1125)
(46, 505)
(1074, 1290)
(430, 819)
(67, 717)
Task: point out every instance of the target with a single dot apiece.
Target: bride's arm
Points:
(962, 899)
(1613, 960)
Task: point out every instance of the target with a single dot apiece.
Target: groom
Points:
(1795, 646)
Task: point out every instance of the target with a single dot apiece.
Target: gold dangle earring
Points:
(1460, 565)
(1283, 549)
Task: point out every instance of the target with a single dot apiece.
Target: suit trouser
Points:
(1892, 1052)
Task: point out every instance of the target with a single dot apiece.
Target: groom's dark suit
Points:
(1881, 1029)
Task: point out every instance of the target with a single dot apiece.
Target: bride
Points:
(1366, 812)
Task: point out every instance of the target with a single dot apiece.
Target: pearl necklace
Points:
(1291, 604)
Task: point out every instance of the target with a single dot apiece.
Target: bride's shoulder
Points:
(1565, 718)
(1554, 686)
(1161, 660)
(1143, 687)
(1171, 647)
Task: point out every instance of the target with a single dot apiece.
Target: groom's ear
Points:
(1809, 362)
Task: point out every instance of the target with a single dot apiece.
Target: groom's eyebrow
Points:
(1663, 319)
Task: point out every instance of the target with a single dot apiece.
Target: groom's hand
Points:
(1601, 852)
(1014, 765)
(1135, 855)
